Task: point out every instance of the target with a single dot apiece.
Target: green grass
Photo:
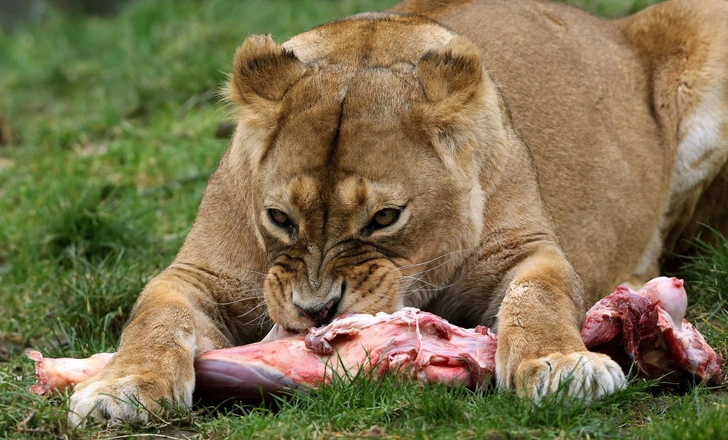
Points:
(113, 135)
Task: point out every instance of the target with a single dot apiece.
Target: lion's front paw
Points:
(111, 396)
(581, 374)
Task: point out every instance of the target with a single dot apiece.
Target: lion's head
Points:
(364, 138)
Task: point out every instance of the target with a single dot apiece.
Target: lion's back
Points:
(576, 93)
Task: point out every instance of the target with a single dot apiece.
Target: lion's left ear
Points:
(459, 94)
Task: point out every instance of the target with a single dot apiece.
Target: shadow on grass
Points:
(92, 228)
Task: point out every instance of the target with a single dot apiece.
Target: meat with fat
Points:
(411, 343)
(644, 328)
(647, 329)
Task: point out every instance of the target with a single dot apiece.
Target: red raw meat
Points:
(420, 345)
(416, 344)
(648, 328)
(631, 327)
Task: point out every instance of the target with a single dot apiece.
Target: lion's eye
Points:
(385, 217)
(280, 218)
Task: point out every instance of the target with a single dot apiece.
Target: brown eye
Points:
(385, 217)
(280, 218)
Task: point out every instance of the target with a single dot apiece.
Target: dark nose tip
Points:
(322, 314)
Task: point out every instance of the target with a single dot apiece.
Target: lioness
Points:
(497, 162)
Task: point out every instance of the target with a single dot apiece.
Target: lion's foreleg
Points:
(173, 321)
(540, 349)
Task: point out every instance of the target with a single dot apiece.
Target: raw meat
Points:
(648, 328)
(57, 374)
(418, 345)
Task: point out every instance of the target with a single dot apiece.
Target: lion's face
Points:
(346, 226)
(363, 204)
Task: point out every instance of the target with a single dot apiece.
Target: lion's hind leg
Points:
(711, 212)
(684, 47)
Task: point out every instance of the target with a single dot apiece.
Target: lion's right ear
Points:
(262, 71)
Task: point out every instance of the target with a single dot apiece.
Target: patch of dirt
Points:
(10, 346)
(5, 134)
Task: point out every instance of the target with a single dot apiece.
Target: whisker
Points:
(415, 279)
(262, 304)
(255, 272)
(423, 263)
(262, 320)
(241, 299)
(426, 290)
(427, 285)
(448, 254)
(418, 277)
(434, 267)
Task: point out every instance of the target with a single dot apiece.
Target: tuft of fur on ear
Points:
(452, 72)
(262, 73)
(262, 70)
(459, 95)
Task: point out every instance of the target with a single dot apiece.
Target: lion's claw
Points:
(128, 398)
(581, 374)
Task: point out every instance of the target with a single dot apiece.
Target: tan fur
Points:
(538, 156)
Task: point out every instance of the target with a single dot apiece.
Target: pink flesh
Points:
(58, 374)
(629, 326)
(637, 327)
(418, 344)
(422, 345)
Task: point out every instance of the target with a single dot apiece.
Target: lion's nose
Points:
(320, 314)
